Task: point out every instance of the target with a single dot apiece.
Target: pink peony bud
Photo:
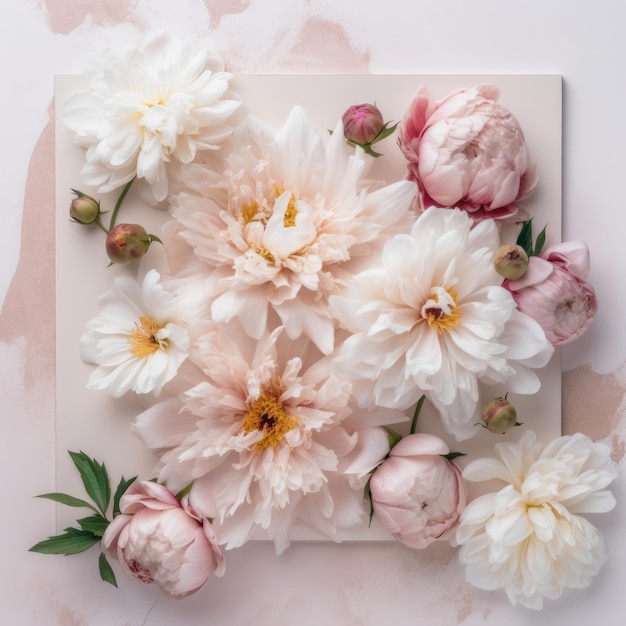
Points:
(159, 539)
(362, 123)
(511, 261)
(499, 416)
(84, 209)
(417, 493)
(555, 292)
(128, 242)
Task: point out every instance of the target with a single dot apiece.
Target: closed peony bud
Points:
(84, 209)
(499, 416)
(362, 123)
(511, 261)
(128, 242)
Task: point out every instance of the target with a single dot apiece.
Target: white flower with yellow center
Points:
(529, 538)
(148, 108)
(264, 435)
(434, 319)
(287, 224)
(136, 341)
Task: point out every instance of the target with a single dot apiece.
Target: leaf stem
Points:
(418, 409)
(118, 204)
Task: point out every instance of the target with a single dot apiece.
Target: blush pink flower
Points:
(159, 539)
(467, 151)
(554, 291)
(418, 494)
(264, 429)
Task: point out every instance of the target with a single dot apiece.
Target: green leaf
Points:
(95, 478)
(367, 494)
(72, 541)
(385, 131)
(453, 455)
(184, 491)
(539, 243)
(120, 491)
(367, 148)
(95, 524)
(63, 498)
(393, 436)
(106, 571)
(416, 414)
(525, 237)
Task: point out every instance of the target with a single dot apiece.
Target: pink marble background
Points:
(313, 583)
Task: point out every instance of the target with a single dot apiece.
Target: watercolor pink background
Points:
(312, 583)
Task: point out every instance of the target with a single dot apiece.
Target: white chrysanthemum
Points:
(261, 434)
(135, 341)
(147, 107)
(288, 224)
(434, 319)
(529, 538)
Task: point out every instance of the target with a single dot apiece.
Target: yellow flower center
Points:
(264, 252)
(440, 310)
(248, 211)
(268, 416)
(290, 213)
(144, 340)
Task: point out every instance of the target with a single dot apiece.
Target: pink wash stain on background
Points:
(64, 16)
(324, 46)
(219, 8)
(28, 310)
(593, 405)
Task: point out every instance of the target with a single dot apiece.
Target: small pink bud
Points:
(362, 123)
(511, 261)
(84, 209)
(499, 416)
(128, 242)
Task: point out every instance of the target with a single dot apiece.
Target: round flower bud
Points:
(362, 123)
(499, 416)
(511, 261)
(127, 242)
(84, 209)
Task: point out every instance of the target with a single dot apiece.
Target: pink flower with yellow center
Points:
(286, 225)
(264, 430)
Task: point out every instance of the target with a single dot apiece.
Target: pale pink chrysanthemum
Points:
(287, 224)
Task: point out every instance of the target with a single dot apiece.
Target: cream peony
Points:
(136, 341)
(159, 539)
(261, 428)
(434, 319)
(529, 538)
(148, 108)
(468, 151)
(287, 225)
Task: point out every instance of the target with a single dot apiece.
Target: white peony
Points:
(146, 108)
(528, 538)
(136, 341)
(288, 223)
(434, 319)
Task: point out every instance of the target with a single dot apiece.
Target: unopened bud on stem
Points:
(128, 242)
(499, 416)
(511, 261)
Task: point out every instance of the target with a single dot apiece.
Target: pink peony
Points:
(467, 151)
(159, 539)
(554, 291)
(417, 494)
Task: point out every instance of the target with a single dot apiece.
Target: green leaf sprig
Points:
(525, 239)
(91, 528)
